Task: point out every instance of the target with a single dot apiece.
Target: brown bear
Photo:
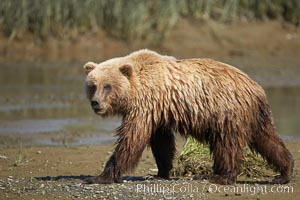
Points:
(157, 96)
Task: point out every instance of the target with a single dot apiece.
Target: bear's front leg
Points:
(163, 148)
(130, 146)
(108, 175)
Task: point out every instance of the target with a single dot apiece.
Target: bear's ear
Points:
(88, 67)
(126, 70)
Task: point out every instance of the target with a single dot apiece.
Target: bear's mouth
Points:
(100, 111)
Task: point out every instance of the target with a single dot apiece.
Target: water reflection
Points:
(285, 105)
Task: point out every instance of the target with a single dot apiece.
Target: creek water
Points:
(45, 104)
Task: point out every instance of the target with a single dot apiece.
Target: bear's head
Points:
(108, 86)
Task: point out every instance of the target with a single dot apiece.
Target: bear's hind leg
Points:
(227, 155)
(272, 148)
(163, 148)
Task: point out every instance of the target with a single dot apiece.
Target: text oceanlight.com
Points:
(247, 189)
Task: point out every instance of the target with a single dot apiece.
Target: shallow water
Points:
(46, 104)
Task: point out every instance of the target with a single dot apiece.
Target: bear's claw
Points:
(281, 180)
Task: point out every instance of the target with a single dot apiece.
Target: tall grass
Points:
(130, 19)
(228, 10)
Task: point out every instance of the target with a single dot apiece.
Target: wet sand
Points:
(59, 173)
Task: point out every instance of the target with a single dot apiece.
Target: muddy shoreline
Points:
(59, 172)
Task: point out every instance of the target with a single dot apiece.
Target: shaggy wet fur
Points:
(213, 102)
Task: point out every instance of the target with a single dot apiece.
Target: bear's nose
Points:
(95, 104)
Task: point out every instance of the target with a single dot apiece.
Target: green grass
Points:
(131, 19)
(20, 159)
(195, 158)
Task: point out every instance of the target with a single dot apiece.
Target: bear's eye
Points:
(92, 88)
(107, 87)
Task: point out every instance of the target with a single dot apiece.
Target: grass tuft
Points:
(195, 158)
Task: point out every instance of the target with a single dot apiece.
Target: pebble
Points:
(3, 157)
(77, 195)
(88, 188)
(77, 185)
